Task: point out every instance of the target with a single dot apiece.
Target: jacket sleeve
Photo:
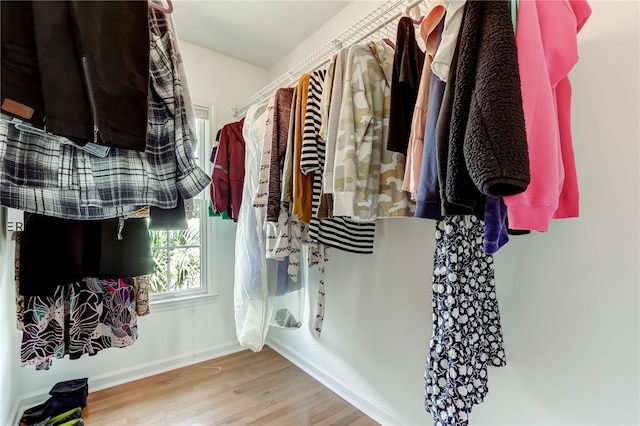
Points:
(353, 149)
(220, 175)
(495, 146)
(191, 179)
(460, 189)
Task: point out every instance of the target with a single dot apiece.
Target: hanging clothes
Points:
(428, 200)
(338, 232)
(342, 233)
(141, 287)
(262, 192)
(169, 219)
(547, 51)
(309, 160)
(16, 278)
(286, 187)
(80, 318)
(367, 177)
(333, 108)
(257, 279)
(405, 79)
(496, 234)
(467, 336)
(495, 225)
(75, 184)
(429, 33)
(487, 149)
(56, 66)
(443, 137)
(281, 115)
(441, 65)
(226, 214)
(302, 182)
(251, 266)
(326, 99)
(56, 252)
(286, 236)
(227, 177)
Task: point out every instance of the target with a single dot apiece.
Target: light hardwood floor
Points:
(245, 388)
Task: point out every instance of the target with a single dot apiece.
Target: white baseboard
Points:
(130, 374)
(372, 408)
(13, 414)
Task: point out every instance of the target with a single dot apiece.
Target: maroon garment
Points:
(228, 170)
(281, 115)
(407, 70)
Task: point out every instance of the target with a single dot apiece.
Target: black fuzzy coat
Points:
(487, 152)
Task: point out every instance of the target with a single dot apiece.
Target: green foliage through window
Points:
(176, 258)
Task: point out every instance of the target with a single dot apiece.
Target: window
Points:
(180, 272)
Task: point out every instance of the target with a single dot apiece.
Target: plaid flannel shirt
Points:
(47, 174)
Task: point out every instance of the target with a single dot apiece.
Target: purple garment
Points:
(428, 196)
(495, 225)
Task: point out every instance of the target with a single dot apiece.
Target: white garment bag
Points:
(264, 294)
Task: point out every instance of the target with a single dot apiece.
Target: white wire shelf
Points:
(379, 18)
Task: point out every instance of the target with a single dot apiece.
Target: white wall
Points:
(569, 298)
(168, 338)
(220, 80)
(9, 385)
(341, 22)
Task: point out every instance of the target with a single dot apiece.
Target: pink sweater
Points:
(547, 51)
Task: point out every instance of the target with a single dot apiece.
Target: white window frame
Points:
(206, 293)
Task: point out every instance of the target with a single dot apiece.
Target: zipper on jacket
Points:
(92, 98)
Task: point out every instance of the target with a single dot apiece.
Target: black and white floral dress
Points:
(467, 336)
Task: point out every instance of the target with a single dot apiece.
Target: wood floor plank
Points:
(240, 389)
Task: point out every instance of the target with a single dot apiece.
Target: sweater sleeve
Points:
(309, 162)
(282, 111)
(534, 208)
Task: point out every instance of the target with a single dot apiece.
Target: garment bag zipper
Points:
(92, 98)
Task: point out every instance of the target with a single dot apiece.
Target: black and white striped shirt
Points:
(338, 232)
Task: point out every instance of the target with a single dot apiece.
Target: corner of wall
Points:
(377, 410)
(9, 386)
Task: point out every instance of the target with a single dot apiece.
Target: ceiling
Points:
(257, 32)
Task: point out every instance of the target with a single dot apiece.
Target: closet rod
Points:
(371, 23)
(386, 22)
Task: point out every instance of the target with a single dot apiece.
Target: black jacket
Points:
(405, 80)
(80, 69)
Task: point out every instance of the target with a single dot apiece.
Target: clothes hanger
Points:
(412, 13)
(159, 7)
(388, 39)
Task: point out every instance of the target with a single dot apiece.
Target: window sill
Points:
(178, 302)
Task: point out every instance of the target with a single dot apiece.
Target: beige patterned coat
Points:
(368, 177)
